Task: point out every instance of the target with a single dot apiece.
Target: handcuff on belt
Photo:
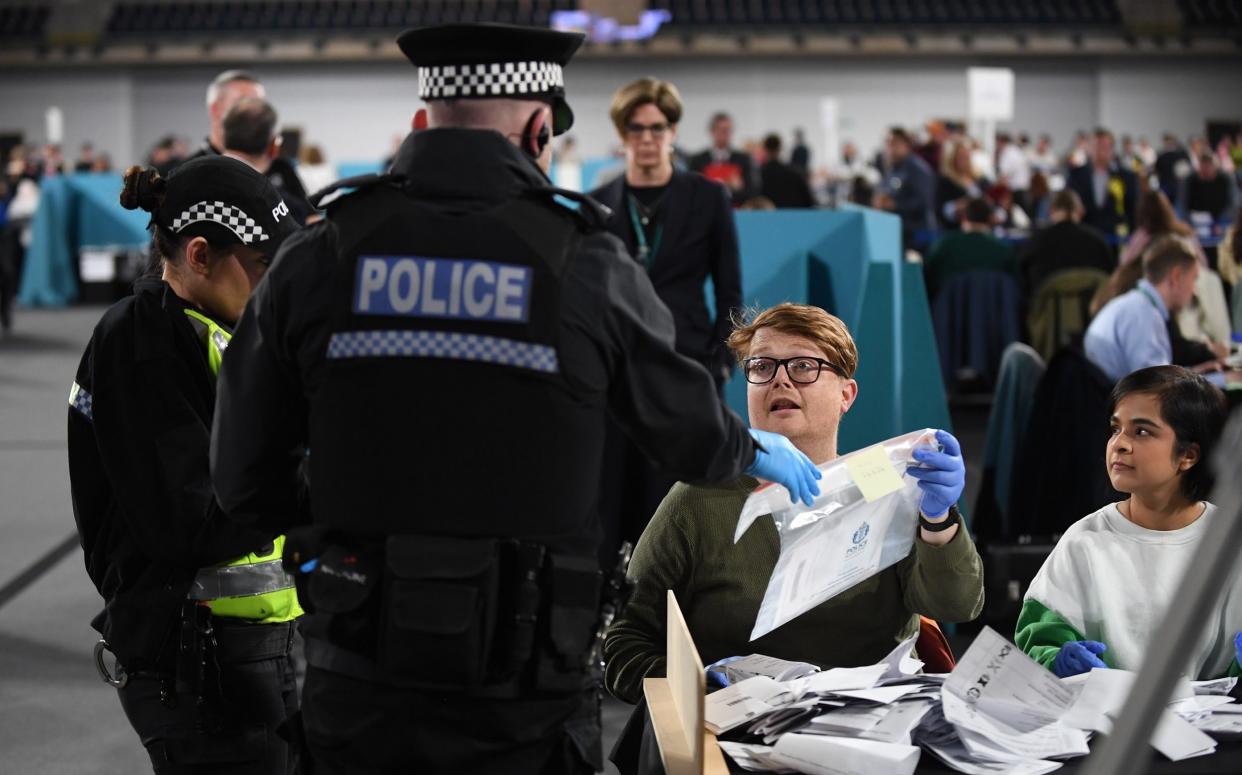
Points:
(121, 679)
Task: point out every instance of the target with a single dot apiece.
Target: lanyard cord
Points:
(1151, 299)
(646, 254)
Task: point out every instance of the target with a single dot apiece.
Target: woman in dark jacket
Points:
(680, 226)
(197, 609)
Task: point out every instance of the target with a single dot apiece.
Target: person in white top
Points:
(1105, 588)
(1012, 167)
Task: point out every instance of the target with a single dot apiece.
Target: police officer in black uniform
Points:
(199, 612)
(443, 350)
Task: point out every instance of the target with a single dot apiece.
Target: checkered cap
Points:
(227, 202)
(453, 345)
(498, 79)
(231, 218)
(482, 61)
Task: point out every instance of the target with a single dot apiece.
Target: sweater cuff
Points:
(957, 553)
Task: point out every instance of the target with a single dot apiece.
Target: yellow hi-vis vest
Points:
(253, 587)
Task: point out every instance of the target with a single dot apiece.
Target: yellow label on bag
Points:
(873, 472)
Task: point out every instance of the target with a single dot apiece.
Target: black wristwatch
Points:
(954, 518)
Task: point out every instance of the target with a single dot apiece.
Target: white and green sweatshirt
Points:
(1110, 580)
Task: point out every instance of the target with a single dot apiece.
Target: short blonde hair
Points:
(645, 91)
(803, 320)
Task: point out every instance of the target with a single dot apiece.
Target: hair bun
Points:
(144, 189)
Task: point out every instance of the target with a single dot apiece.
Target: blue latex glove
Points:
(941, 475)
(1237, 646)
(716, 676)
(1078, 656)
(778, 460)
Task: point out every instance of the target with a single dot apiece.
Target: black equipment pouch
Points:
(342, 580)
(574, 586)
(440, 611)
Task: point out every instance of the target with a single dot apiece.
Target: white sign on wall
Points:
(830, 123)
(55, 120)
(990, 93)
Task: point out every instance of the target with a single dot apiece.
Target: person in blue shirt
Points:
(1131, 331)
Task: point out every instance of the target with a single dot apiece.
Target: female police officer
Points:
(198, 611)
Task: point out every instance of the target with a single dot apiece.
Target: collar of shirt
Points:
(1149, 290)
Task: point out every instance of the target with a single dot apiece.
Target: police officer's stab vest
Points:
(447, 406)
(255, 586)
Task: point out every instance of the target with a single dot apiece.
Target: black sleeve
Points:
(619, 338)
(750, 176)
(153, 443)
(726, 272)
(258, 443)
(1187, 352)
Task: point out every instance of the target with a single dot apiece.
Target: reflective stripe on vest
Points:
(254, 587)
(443, 344)
(215, 337)
(80, 400)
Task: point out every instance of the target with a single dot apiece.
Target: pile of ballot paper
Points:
(998, 711)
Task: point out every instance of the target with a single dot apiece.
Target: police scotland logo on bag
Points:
(859, 539)
(464, 289)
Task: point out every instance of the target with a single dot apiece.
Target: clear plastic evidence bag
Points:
(863, 521)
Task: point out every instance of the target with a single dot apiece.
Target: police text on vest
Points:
(413, 286)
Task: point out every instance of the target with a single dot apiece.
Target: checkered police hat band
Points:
(494, 80)
(228, 216)
(453, 345)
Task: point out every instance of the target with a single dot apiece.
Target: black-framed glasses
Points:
(804, 370)
(635, 129)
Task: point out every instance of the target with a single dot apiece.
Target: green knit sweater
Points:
(688, 548)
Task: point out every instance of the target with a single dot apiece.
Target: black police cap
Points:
(225, 201)
(480, 61)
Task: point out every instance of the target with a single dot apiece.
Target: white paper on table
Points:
(838, 679)
(772, 667)
(901, 663)
(996, 679)
(839, 541)
(957, 757)
(1217, 724)
(847, 721)
(820, 755)
(734, 705)
(756, 758)
(1177, 739)
(1202, 703)
(1215, 685)
(1235, 708)
(898, 723)
(1102, 693)
(883, 695)
(1047, 741)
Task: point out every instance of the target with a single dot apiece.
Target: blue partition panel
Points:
(850, 263)
(75, 211)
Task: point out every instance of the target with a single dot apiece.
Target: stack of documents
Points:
(998, 712)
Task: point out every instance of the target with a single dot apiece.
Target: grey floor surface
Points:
(56, 716)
